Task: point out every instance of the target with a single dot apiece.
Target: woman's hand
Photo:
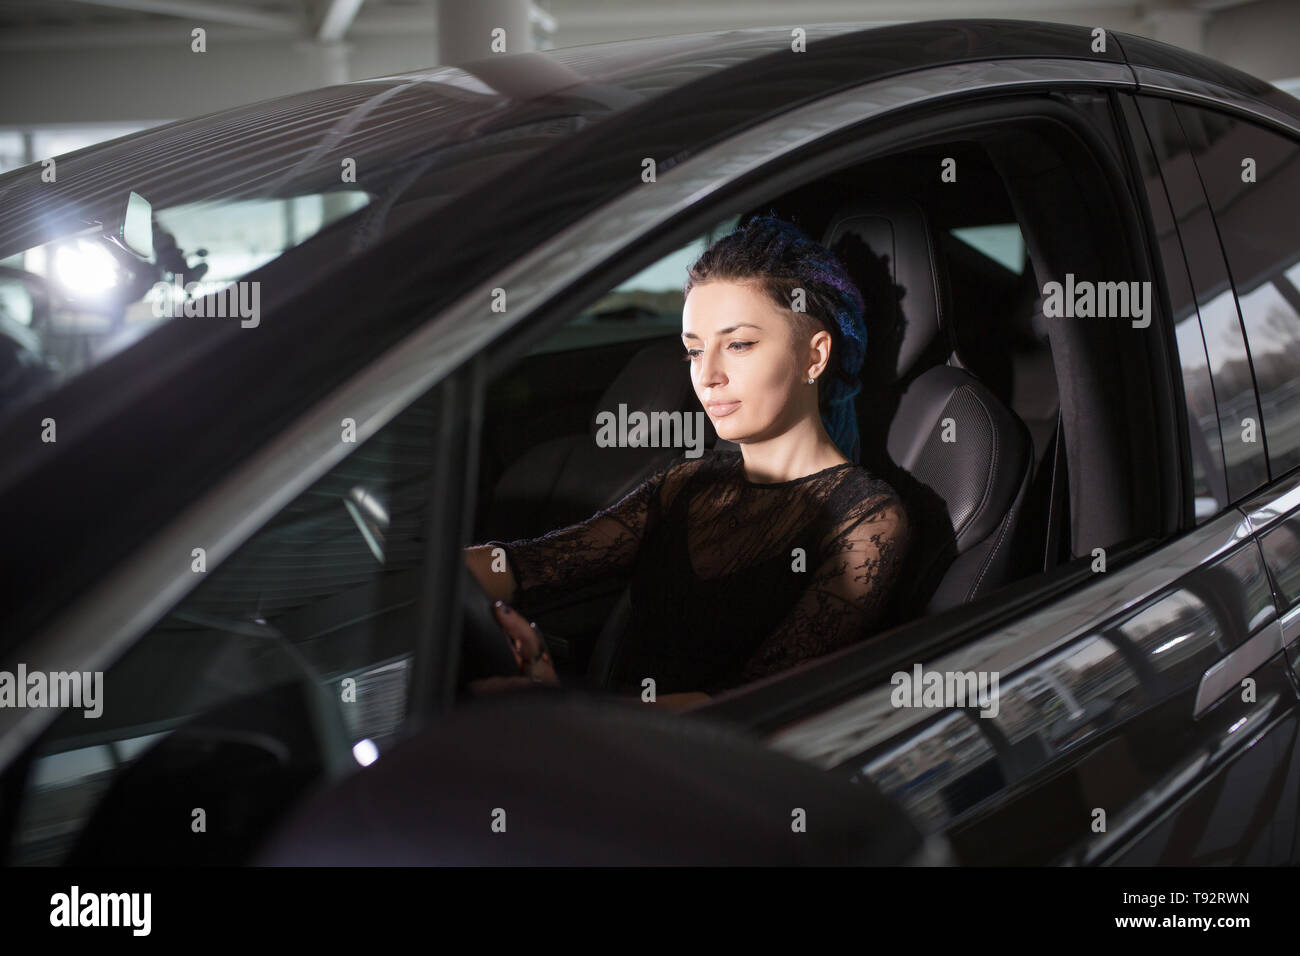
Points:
(536, 667)
(531, 656)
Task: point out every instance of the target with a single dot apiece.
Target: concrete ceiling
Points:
(77, 62)
(54, 24)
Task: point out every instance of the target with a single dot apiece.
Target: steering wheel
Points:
(485, 650)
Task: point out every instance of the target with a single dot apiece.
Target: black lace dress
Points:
(731, 579)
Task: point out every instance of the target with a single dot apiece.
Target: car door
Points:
(1111, 704)
(1149, 716)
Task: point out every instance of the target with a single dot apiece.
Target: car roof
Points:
(532, 101)
(279, 146)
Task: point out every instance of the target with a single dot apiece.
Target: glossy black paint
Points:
(1282, 552)
(1104, 724)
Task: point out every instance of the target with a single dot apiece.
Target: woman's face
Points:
(749, 374)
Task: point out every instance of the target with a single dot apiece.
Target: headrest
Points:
(654, 380)
(897, 229)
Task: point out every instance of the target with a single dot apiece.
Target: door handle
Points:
(1223, 676)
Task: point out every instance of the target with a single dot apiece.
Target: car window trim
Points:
(101, 625)
(452, 505)
(1204, 93)
(1271, 505)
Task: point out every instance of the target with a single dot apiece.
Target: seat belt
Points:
(1055, 498)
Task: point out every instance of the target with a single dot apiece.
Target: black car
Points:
(246, 502)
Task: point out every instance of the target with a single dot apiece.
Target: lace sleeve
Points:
(603, 546)
(847, 592)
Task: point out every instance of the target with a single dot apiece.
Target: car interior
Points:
(955, 332)
(328, 591)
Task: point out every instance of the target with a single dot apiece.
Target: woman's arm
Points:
(499, 585)
(846, 592)
(604, 544)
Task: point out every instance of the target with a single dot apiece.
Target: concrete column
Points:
(327, 62)
(465, 28)
(334, 62)
(1175, 24)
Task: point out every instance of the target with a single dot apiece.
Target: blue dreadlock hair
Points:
(780, 257)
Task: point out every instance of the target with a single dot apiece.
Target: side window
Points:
(646, 306)
(542, 469)
(546, 462)
(1209, 479)
(289, 658)
(1252, 179)
(1001, 242)
(1241, 434)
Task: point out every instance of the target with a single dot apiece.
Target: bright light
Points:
(365, 751)
(84, 267)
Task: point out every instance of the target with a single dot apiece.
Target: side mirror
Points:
(135, 231)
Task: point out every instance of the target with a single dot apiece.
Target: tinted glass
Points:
(72, 302)
(646, 306)
(1240, 429)
(1252, 177)
(1209, 481)
(234, 190)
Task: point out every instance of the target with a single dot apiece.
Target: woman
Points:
(741, 564)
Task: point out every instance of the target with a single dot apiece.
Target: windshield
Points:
(224, 194)
(215, 199)
(69, 303)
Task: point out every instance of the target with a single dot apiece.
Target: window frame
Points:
(767, 704)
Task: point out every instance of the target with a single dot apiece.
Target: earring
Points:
(810, 381)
